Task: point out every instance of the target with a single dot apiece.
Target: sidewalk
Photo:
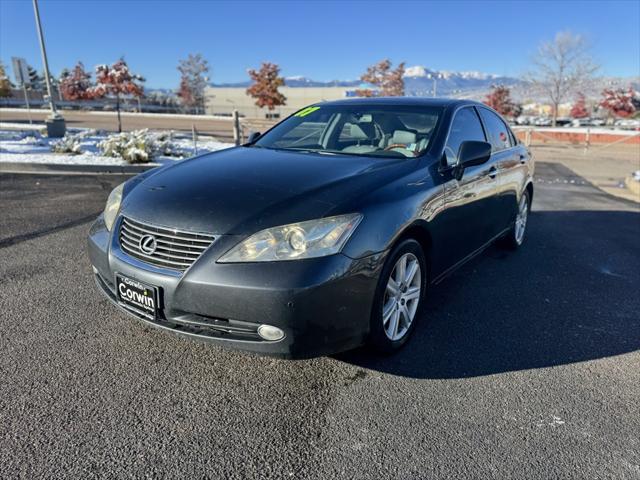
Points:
(606, 168)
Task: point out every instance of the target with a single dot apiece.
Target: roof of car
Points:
(413, 101)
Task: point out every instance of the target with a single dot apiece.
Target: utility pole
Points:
(55, 123)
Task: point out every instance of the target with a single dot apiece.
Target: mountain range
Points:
(419, 81)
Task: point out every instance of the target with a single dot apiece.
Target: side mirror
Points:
(473, 153)
(253, 136)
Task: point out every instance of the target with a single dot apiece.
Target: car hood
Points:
(243, 190)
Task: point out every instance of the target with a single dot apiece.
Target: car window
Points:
(420, 123)
(393, 131)
(497, 130)
(346, 133)
(465, 126)
(306, 133)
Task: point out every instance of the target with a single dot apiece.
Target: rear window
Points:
(499, 134)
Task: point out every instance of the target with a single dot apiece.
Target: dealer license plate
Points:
(136, 295)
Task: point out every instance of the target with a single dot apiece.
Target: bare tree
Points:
(193, 81)
(561, 67)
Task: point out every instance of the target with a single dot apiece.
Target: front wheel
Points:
(399, 297)
(515, 237)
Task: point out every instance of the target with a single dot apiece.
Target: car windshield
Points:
(367, 130)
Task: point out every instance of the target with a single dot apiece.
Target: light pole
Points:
(55, 123)
(434, 77)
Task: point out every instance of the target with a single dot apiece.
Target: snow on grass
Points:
(22, 126)
(28, 146)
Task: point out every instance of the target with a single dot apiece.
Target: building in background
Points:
(224, 100)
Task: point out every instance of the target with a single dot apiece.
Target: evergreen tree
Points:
(36, 81)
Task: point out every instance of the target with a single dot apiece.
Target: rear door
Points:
(469, 203)
(510, 160)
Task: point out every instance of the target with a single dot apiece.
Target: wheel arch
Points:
(529, 189)
(419, 231)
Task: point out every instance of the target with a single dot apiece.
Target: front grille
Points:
(175, 249)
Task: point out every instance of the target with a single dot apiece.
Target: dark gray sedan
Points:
(321, 235)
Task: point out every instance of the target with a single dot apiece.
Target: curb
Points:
(20, 167)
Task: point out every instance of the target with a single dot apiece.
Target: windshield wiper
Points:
(379, 154)
(304, 150)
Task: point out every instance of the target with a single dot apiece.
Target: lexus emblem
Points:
(148, 244)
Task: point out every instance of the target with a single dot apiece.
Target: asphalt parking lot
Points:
(526, 365)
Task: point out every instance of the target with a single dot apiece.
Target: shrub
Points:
(139, 146)
(70, 143)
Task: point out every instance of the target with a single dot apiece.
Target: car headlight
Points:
(113, 206)
(315, 238)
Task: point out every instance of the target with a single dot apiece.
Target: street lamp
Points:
(435, 77)
(55, 123)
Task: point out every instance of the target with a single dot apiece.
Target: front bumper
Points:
(323, 305)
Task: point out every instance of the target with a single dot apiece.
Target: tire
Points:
(407, 300)
(516, 235)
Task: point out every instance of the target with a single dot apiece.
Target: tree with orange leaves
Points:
(390, 82)
(618, 102)
(265, 86)
(579, 109)
(75, 85)
(117, 80)
(500, 100)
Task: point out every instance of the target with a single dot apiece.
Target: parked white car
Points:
(542, 122)
(628, 123)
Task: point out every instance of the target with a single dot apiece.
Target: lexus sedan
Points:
(321, 235)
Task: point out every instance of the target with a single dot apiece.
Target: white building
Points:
(223, 100)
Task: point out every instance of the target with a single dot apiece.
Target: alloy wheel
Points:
(401, 297)
(521, 219)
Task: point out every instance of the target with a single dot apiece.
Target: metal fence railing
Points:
(581, 139)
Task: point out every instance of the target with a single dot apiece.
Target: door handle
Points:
(523, 159)
(493, 171)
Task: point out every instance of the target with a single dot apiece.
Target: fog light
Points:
(270, 333)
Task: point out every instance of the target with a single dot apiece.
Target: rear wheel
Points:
(515, 237)
(399, 297)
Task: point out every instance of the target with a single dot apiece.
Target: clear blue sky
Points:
(321, 40)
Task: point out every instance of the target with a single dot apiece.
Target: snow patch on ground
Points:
(28, 146)
(22, 126)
